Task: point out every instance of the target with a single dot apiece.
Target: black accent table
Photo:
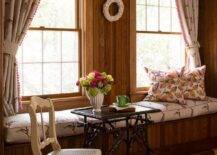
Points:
(137, 128)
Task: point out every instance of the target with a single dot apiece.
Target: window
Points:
(159, 43)
(49, 57)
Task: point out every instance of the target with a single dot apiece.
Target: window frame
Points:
(138, 92)
(78, 29)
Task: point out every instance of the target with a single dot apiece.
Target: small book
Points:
(115, 108)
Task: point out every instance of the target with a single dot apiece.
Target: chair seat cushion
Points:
(76, 152)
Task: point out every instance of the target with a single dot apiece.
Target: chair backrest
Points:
(36, 142)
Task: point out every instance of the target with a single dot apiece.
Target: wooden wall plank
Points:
(208, 42)
(111, 46)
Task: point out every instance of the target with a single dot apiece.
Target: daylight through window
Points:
(49, 57)
(159, 39)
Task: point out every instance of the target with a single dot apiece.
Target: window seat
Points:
(17, 128)
(175, 111)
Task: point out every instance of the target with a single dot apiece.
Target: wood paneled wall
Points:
(208, 41)
(111, 47)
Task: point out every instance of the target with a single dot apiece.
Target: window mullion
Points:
(158, 15)
(22, 69)
(171, 17)
(146, 16)
(53, 29)
(61, 59)
(42, 62)
(160, 32)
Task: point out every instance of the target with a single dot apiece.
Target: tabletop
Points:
(107, 113)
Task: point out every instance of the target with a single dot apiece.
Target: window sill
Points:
(138, 95)
(62, 103)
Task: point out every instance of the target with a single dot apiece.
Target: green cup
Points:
(122, 100)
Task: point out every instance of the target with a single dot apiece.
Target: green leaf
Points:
(93, 91)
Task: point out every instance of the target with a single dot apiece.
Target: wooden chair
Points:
(37, 143)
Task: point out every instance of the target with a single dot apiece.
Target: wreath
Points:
(118, 15)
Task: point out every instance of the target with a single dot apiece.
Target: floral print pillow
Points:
(166, 86)
(193, 82)
(155, 75)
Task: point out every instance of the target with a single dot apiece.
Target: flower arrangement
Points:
(96, 82)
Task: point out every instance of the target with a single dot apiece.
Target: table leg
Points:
(85, 132)
(141, 132)
(117, 138)
(105, 139)
(147, 122)
(128, 141)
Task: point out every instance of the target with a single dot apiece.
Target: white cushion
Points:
(174, 111)
(18, 126)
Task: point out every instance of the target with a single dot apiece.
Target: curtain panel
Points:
(17, 18)
(188, 16)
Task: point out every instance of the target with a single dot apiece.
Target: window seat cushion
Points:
(17, 128)
(175, 111)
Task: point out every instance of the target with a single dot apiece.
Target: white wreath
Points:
(107, 14)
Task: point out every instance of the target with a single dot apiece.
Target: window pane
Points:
(51, 78)
(56, 14)
(69, 77)
(152, 18)
(60, 63)
(175, 21)
(32, 79)
(173, 3)
(19, 55)
(51, 46)
(141, 17)
(165, 19)
(158, 51)
(143, 2)
(70, 46)
(32, 47)
(166, 3)
(48, 59)
(152, 2)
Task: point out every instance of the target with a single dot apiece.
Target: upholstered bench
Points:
(175, 111)
(17, 128)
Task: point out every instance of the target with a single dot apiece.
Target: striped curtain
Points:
(188, 16)
(17, 18)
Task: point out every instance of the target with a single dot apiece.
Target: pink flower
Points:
(94, 83)
(97, 73)
(99, 78)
